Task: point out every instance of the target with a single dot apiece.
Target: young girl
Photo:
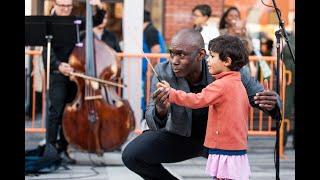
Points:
(227, 126)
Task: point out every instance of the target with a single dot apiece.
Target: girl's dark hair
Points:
(223, 22)
(205, 9)
(232, 47)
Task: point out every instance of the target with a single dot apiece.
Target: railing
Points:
(260, 130)
(260, 124)
(33, 128)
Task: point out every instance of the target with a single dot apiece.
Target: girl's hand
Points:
(164, 84)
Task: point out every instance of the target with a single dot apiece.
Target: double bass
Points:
(97, 120)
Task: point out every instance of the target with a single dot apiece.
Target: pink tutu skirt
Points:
(228, 166)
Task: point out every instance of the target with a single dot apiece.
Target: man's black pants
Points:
(60, 91)
(145, 153)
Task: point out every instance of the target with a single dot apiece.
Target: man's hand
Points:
(160, 97)
(96, 2)
(266, 99)
(65, 68)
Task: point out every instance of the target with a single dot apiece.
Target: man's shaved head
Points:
(186, 54)
(189, 37)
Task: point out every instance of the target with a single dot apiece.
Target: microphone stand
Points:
(281, 32)
(49, 149)
(278, 118)
(40, 31)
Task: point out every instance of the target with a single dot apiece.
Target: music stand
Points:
(55, 31)
(64, 29)
(52, 30)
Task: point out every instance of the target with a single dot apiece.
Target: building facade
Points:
(170, 15)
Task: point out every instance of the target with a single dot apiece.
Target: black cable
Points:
(92, 162)
(78, 177)
(266, 4)
(275, 148)
(277, 9)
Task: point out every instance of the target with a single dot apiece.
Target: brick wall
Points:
(178, 14)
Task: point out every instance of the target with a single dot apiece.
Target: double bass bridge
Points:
(93, 97)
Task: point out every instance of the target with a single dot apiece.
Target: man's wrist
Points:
(275, 113)
(161, 114)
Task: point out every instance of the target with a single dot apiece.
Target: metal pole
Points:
(46, 115)
(278, 36)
